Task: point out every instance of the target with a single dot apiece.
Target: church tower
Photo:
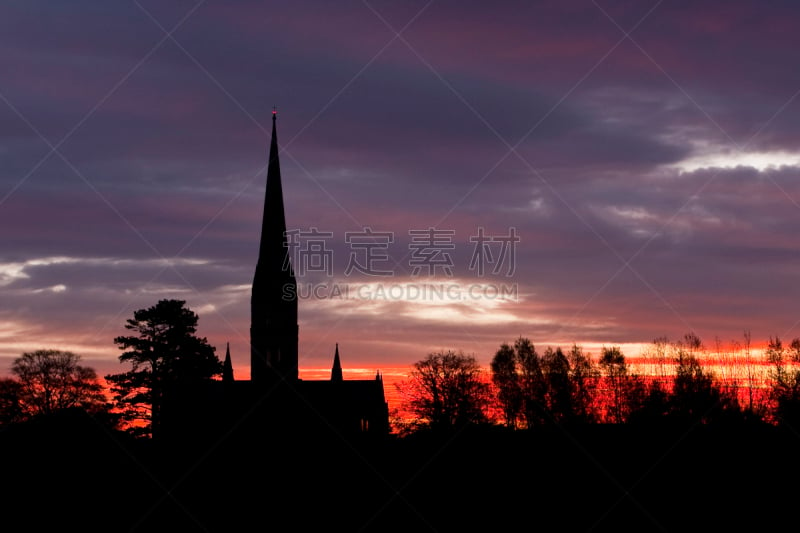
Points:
(273, 303)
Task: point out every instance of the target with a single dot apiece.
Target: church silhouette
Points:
(275, 398)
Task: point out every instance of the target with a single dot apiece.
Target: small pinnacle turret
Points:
(336, 371)
(227, 366)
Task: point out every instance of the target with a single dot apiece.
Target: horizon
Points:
(729, 364)
(591, 175)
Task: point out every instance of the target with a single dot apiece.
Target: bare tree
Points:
(696, 394)
(447, 390)
(785, 381)
(615, 372)
(660, 355)
(53, 380)
(750, 373)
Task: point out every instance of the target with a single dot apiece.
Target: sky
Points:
(594, 172)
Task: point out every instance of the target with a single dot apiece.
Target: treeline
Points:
(680, 382)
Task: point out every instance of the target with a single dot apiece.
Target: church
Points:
(275, 397)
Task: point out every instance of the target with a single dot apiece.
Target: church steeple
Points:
(336, 371)
(273, 304)
(273, 223)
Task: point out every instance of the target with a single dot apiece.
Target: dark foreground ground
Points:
(79, 476)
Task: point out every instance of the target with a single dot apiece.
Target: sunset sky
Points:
(645, 154)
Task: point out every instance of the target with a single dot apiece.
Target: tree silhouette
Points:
(535, 390)
(533, 384)
(10, 403)
(50, 381)
(615, 373)
(584, 377)
(163, 353)
(554, 388)
(447, 390)
(629, 397)
(784, 381)
(696, 397)
(693, 392)
(555, 366)
(507, 383)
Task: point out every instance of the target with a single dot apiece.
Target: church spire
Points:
(273, 303)
(336, 371)
(273, 224)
